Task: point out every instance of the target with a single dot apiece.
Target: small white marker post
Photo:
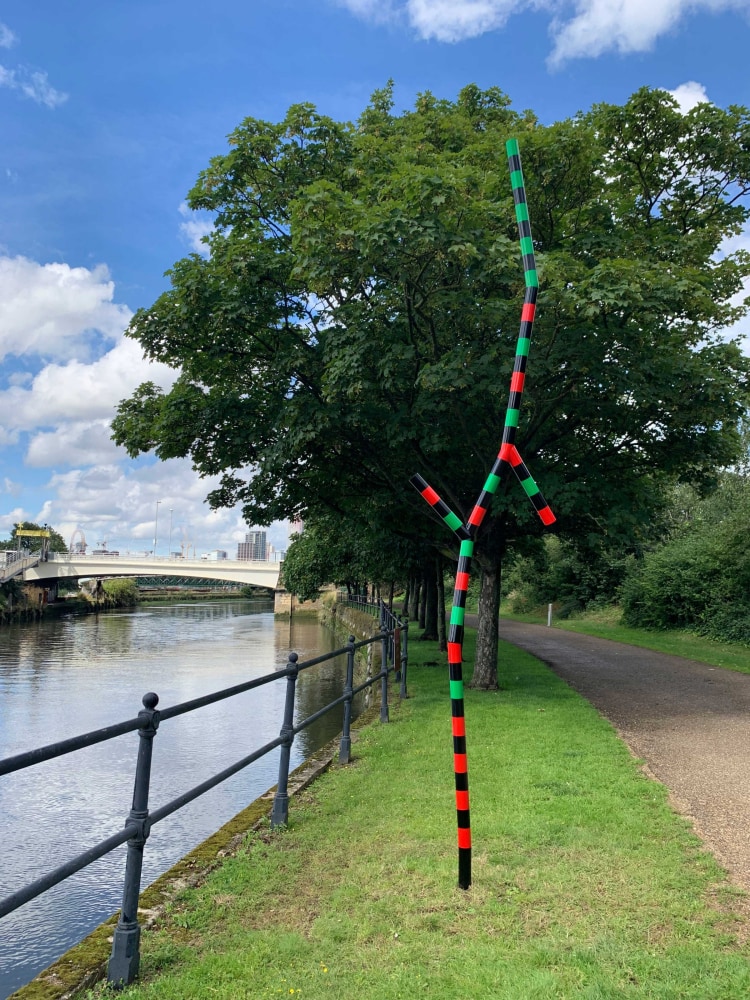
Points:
(549, 615)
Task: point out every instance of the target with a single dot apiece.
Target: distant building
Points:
(254, 548)
(216, 556)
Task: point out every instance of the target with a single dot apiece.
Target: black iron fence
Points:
(396, 626)
(124, 961)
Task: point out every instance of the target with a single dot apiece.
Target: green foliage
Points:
(122, 592)
(11, 593)
(56, 541)
(356, 320)
(572, 574)
(346, 552)
(699, 577)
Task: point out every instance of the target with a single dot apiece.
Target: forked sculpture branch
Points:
(508, 458)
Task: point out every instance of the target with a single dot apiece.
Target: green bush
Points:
(122, 593)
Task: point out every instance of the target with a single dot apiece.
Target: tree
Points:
(348, 552)
(56, 541)
(356, 319)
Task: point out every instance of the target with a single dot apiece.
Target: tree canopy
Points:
(56, 541)
(356, 319)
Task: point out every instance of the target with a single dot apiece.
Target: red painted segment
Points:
(430, 496)
(454, 652)
(527, 313)
(462, 800)
(460, 764)
(547, 516)
(477, 516)
(462, 581)
(516, 381)
(515, 458)
(506, 452)
(459, 725)
(464, 837)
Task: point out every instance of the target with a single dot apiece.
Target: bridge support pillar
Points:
(282, 602)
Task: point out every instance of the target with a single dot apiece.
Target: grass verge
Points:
(586, 885)
(606, 625)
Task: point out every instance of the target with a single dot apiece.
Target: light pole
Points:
(169, 553)
(156, 526)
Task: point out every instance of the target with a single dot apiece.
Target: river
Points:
(62, 677)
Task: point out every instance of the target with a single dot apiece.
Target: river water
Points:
(63, 677)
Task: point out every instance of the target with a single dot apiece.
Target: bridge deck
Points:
(64, 567)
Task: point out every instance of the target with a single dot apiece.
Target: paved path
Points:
(690, 722)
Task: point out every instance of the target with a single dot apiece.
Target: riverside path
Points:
(688, 721)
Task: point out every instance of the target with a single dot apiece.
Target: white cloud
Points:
(580, 28)
(194, 228)
(74, 443)
(66, 397)
(7, 38)
(120, 504)
(51, 310)
(10, 520)
(33, 84)
(689, 95)
(449, 21)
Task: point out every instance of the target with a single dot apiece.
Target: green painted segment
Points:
(511, 147)
(492, 483)
(457, 616)
(511, 418)
(531, 279)
(527, 245)
(457, 690)
(523, 345)
(522, 212)
(453, 521)
(516, 179)
(467, 548)
(530, 487)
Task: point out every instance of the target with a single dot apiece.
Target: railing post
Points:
(125, 957)
(384, 670)
(345, 748)
(280, 811)
(404, 655)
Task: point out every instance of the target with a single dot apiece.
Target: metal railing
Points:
(125, 957)
(396, 626)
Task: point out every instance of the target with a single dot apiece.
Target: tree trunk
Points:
(415, 588)
(390, 597)
(407, 591)
(430, 605)
(441, 605)
(485, 663)
(423, 601)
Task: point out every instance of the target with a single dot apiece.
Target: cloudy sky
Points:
(109, 111)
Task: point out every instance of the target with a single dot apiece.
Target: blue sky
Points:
(109, 111)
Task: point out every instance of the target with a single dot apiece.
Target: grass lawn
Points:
(606, 625)
(586, 884)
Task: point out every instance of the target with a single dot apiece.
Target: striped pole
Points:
(508, 454)
(455, 675)
(508, 458)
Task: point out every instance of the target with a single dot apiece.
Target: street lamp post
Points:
(169, 553)
(156, 526)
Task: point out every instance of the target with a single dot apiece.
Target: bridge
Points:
(60, 566)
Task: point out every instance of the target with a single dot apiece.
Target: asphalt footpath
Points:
(688, 721)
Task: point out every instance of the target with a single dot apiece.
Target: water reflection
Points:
(61, 678)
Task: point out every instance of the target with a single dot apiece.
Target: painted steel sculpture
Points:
(508, 458)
